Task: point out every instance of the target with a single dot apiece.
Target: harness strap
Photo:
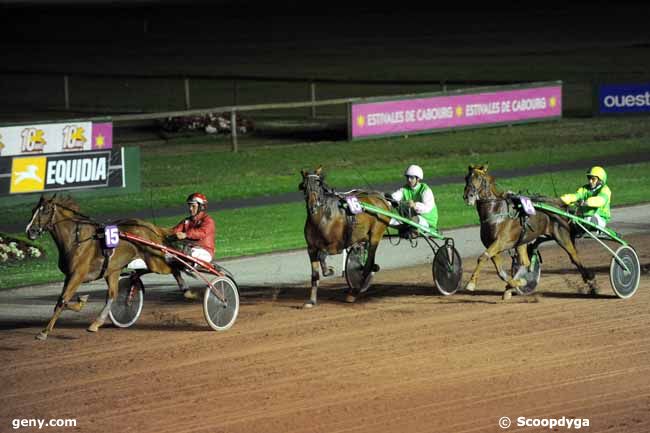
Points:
(349, 227)
(107, 253)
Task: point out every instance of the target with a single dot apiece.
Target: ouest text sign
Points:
(624, 98)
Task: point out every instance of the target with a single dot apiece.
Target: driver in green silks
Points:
(594, 198)
(417, 196)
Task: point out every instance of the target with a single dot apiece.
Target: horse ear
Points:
(303, 172)
(319, 170)
(485, 167)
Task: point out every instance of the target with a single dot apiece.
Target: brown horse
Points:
(330, 228)
(504, 227)
(82, 257)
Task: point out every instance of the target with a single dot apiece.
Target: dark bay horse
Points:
(503, 227)
(329, 228)
(82, 257)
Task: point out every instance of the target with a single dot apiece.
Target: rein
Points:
(321, 192)
(78, 222)
(496, 218)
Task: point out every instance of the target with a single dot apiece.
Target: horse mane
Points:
(66, 201)
(533, 196)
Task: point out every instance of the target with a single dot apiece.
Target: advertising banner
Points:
(61, 171)
(428, 113)
(624, 98)
(55, 138)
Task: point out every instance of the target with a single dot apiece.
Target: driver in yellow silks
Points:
(593, 199)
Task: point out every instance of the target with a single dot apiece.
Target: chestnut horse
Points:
(82, 256)
(504, 227)
(330, 228)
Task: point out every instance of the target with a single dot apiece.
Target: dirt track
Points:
(401, 360)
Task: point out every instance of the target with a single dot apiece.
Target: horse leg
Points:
(112, 280)
(70, 286)
(497, 260)
(493, 251)
(77, 306)
(182, 285)
(588, 276)
(517, 280)
(315, 276)
(327, 270)
(369, 267)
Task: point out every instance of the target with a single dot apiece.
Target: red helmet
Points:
(197, 198)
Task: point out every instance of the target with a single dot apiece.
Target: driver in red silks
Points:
(198, 229)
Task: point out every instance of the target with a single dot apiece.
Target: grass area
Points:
(266, 229)
(170, 172)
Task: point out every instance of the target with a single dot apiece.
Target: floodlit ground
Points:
(401, 360)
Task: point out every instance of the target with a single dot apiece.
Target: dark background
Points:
(578, 43)
(43, 35)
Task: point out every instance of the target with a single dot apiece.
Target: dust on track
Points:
(401, 359)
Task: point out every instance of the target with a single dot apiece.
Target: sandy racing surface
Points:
(400, 360)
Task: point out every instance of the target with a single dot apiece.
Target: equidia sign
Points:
(63, 171)
(396, 116)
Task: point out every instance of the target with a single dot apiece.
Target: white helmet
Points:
(414, 170)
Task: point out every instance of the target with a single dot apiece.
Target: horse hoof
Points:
(375, 268)
(83, 300)
(350, 299)
(190, 295)
(94, 327)
(41, 336)
(308, 305)
(470, 287)
(329, 272)
(507, 295)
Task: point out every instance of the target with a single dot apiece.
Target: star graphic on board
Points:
(552, 101)
(459, 111)
(361, 120)
(99, 141)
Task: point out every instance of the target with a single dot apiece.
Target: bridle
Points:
(476, 191)
(51, 223)
(313, 187)
(48, 226)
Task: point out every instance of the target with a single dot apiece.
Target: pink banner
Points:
(102, 136)
(396, 117)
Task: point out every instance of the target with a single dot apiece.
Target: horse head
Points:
(47, 213)
(314, 188)
(42, 217)
(479, 185)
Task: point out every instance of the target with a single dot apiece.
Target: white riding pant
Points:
(201, 254)
(196, 252)
(393, 222)
(597, 219)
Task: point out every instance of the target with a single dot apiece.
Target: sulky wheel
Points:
(127, 306)
(447, 270)
(220, 307)
(354, 264)
(625, 282)
(531, 275)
